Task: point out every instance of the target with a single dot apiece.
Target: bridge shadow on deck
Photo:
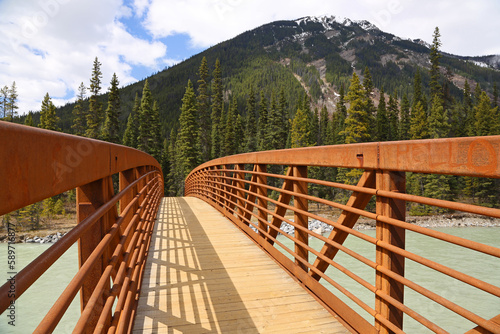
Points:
(186, 288)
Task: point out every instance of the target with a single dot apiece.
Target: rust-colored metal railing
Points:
(113, 230)
(239, 186)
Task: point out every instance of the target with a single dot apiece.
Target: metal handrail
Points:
(36, 164)
(241, 194)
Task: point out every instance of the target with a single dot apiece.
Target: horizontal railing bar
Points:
(28, 275)
(431, 264)
(56, 312)
(122, 276)
(114, 258)
(482, 248)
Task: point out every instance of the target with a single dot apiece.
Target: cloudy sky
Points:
(49, 45)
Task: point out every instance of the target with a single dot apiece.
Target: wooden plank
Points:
(204, 275)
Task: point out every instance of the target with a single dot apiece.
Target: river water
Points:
(33, 305)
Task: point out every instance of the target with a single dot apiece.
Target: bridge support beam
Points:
(300, 188)
(396, 182)
(89, 198)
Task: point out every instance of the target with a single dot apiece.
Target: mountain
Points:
(311, 54)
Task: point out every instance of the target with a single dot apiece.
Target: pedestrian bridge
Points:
(217, 260)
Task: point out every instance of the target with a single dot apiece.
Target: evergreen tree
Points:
(438, 124)
(382, 120)
(132, 130)
(393, 117)
(486, 117)
(418, 123)
(48, 118)
(204, 117)
(30, 215)
(467, 110)
(300, 130)
(369, 105)
(404, 124)
(111, 128)
(12, 104)
(94, 116)
(239, 134)
(274, 126)
(29, 119)
(156, 148)
(418, 95)
(284, 115)
(314, 119)
(495, 95)
(323, 127)
(357, 127)
(262, 124)
(188, 153)
(217, 107)
(4, 101)
(435, 55)
(165, 165)
(230, 143)
(146, 137)
(251, 129)
(79, 113)
(340, 117)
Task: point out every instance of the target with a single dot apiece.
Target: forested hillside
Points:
(313, 81)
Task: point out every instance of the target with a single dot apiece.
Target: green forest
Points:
(244, 99)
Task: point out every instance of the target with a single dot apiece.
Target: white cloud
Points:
(50, 46)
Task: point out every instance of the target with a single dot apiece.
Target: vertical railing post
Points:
(262, 199)
(89, 198)
(390, 181)
(240, 185)
(300, 188)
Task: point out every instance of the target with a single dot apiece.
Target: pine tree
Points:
(94, 116)
(486, 118)
(262, 124)
(357, 127)
(230, 143)
(251, 129)
(30, 215)
(323, 127)
(314, 119)
(111, 128)
(217, 106)
(132, 129)
(369, 105)
(48, 118)
(165, 165)
(12, 105)
(79, 113)
(275, 126)
(438, 124)
(145, 140)
(188, 153)
(418, 95)
(382, 119)
(340, 117)
(393, 117)
(4, 101)
(404, 124)
(300, 130)
(156, 145)
(418, 123)
(29, 119)
(495, 95)
(435, 55)
(284, 115)
(204, 120)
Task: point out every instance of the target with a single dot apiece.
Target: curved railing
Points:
(113, 230)
(254, 190)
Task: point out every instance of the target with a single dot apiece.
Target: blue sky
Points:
(49, 45)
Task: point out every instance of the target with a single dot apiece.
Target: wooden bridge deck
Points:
(204, 276)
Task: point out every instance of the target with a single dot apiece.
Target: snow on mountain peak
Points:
(328, 21)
